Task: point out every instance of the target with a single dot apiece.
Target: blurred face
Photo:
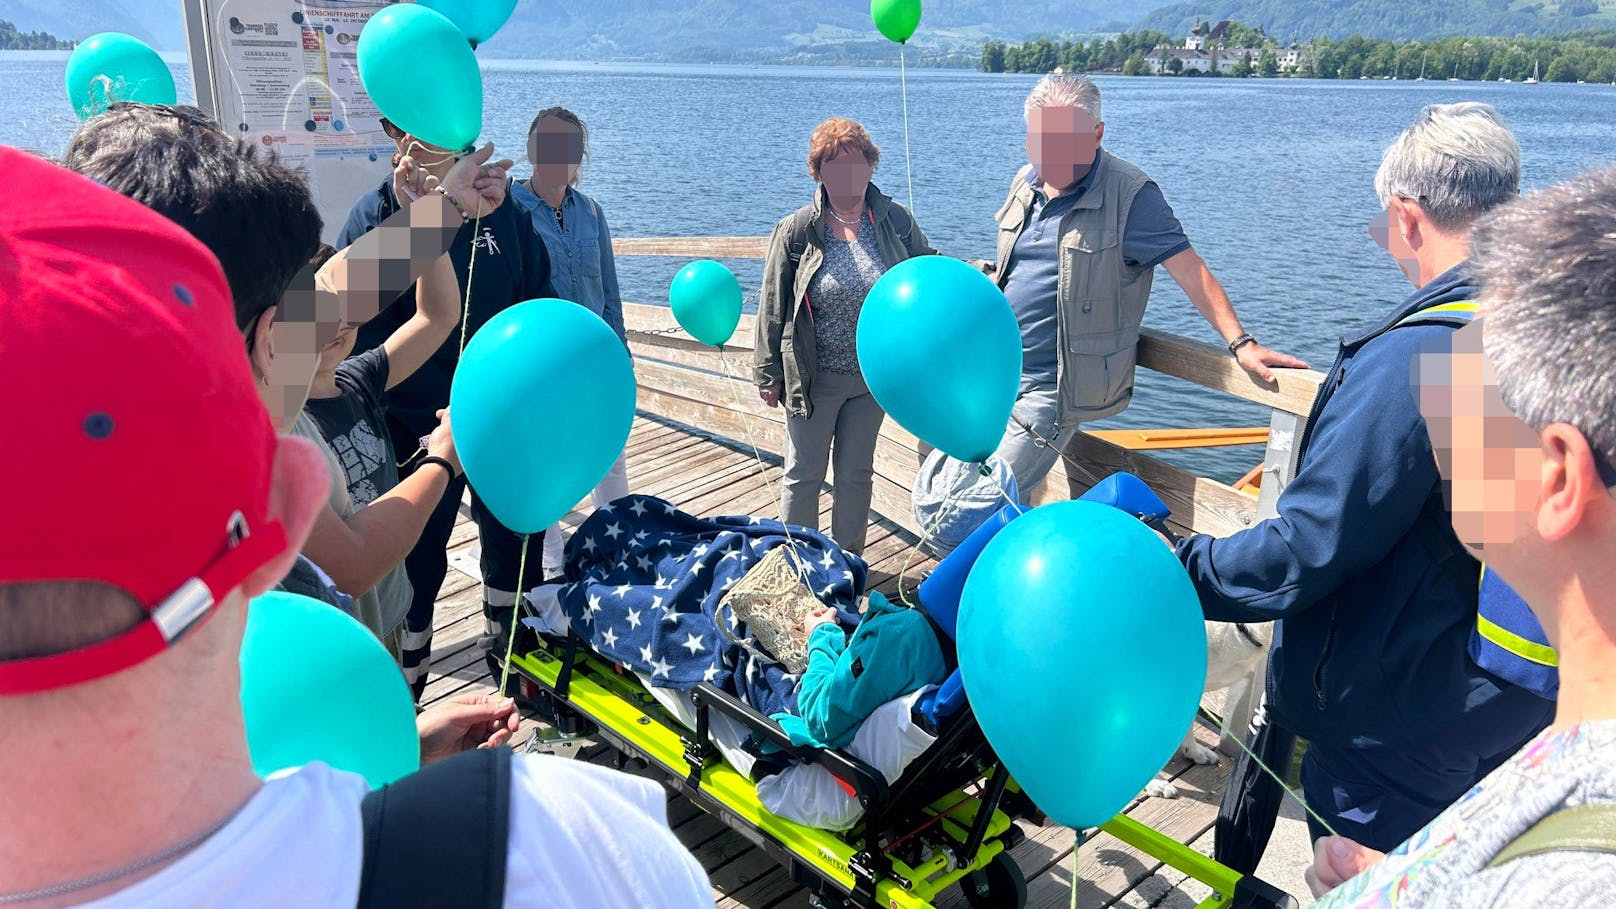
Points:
(555, 149)
(1393, 230)
(847, 175)
(1062, 143)
(1491, 462)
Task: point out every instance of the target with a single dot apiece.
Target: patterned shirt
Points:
(836, 295)
(1444, 865)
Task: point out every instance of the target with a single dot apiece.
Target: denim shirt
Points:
(582, 267)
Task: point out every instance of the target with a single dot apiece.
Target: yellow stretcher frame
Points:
(619, 705)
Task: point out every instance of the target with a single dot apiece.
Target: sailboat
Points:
(1455, 76)
(1422, 68)
(1533, 80)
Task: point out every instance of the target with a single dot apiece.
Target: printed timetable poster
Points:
(284, 74)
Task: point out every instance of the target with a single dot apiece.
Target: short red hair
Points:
(835, 136)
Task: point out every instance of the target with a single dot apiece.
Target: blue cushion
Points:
(941, 703)
(1126, 492)
(940, 592)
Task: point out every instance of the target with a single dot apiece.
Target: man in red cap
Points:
(147, 498)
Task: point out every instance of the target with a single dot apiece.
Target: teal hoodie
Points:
(891, 653)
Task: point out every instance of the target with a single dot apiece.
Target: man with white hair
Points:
(1080, 237)
(1375, 599)
(1521, 406)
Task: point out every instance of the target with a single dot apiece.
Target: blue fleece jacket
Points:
(1374, 596)
(893, 652)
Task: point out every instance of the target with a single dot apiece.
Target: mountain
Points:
(156, 22)
(1399, 19)
(686, 30)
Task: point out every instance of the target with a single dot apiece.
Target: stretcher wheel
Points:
(998, 885)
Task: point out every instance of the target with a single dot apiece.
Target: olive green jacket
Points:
(785, 323)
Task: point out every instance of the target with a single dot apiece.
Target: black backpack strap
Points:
(904, 224)
(438, 837)
(797, 234)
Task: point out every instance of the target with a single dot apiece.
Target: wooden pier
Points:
(704, 442)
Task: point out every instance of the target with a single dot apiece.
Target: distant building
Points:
(1290, 58)
(1203, 51)
(1197, 38)
(1160, 60)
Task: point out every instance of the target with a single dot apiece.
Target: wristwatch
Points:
(1244, 339)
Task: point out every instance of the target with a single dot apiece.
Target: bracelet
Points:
(1244, 339)
(460, 209)
(434, 459)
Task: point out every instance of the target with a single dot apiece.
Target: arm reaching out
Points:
(437, 315)
(1210, 299)
(369, 275)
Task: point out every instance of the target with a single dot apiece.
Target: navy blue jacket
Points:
(511, 267)
(1374, 596)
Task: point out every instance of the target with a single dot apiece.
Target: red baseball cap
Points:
(138, 453)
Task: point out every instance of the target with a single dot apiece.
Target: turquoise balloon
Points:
(541, 406)
(111, 67)
(706, 301)
(478, 20)
(940, 349)
(317, 686)
(422, 75)
(1083, 653)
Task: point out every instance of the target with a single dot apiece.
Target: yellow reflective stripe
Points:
(1469, 306)
(1514, 643)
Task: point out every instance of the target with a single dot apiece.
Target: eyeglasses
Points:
(185, 113)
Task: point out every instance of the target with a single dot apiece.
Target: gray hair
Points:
(1457, 160)
(1064, 90)
(1547, 266)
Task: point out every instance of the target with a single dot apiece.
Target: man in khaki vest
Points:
(1079, 240)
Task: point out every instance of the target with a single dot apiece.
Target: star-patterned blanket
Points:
(644, 580)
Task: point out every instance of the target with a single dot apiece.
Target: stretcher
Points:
(950, 820)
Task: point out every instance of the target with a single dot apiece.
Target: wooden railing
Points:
(688, 382)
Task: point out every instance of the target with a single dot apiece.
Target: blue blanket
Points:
(644, 583)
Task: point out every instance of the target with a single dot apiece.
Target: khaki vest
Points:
(1101, 299)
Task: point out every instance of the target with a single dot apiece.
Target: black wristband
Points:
(1244, 339)
(434, 459)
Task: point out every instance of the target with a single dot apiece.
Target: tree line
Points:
(11, 38)
(1572, 57)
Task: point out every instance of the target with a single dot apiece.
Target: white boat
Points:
(1422, 68)
(1533, 79)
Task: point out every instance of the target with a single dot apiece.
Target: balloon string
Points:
(516, 617)
(1223, 729)
(1082, 836)
(471, 269)
(903, 82)
(763, 468)
(926, 533)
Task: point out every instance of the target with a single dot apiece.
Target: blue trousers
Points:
(1381, 795)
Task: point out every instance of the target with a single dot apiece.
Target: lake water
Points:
(1271, 178)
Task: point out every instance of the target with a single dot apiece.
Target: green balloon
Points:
(706, 300)
(897, 19)
(110, 67)
(318, 686)
(422, 74)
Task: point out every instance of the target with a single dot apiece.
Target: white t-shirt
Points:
(580, 836)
